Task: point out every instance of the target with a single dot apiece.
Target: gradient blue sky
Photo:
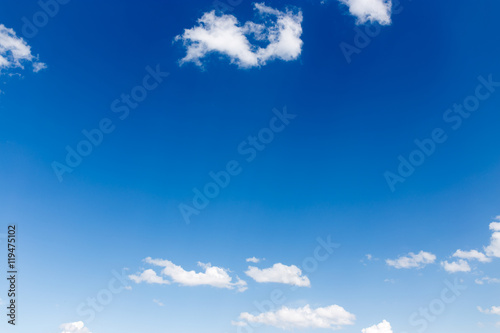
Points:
(323, 175)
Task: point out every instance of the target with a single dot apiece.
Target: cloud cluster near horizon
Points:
(332, 317)
(491, 251)
(15, 52)
(275, 36)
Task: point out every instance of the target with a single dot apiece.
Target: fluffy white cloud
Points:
(279, 273)
(148, 276)
(495, 310)
(278, 37)
(472, 255)
(76, 327)
(370, 10)
(254, 260)
(383, 327)
(493, 250)
(333, 317)
(487, 279)
(212, 275)
(412, 260)
(456, 266)
(15, 52)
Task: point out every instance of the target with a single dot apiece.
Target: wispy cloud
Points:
(15, 52)
(246, 45)
(495, 310)
(158, 302)
(412, 260)
(487, 279)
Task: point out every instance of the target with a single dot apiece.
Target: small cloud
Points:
(412, 260)
(254, 260)
(495, 310)
(392, 281)
(456, 266)
(38, 66)
(383, 327)
(76, 327)
(279, 273)
(370, 10)
(158, 302)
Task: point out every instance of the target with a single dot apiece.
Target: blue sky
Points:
(349, 145)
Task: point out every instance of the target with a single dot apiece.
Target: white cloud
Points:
(495, 310)
(254, 260)
(148, 276)
(383, 327)
(456, 266)
(223, 34)
(412, 260)
(495, 226)
(471, 255)
(15, 52)
(333, 317)
(279, 273)
(487, 279)
(76, 327)
(370, 10)
(211, 276)
(493, 250)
